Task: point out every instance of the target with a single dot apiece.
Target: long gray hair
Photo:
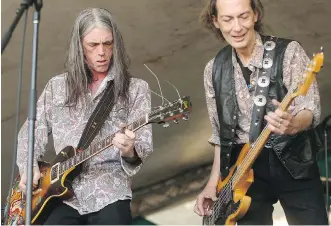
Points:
(78, 74)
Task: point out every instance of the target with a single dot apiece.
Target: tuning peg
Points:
(166, 125)
(186, 117)
(176, 121)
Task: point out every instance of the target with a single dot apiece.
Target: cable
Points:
(17, 114)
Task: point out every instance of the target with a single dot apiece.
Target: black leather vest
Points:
(295, 152)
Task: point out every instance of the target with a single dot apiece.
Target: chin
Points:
(239, 45)
(101, 69)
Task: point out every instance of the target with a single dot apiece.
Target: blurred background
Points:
(167, 37)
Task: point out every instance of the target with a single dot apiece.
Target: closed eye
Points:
(93, 44)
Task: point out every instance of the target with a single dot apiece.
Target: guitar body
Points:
(233, 203)
(52, 188)
(55, 184)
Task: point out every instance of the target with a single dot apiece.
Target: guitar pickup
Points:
(55, 173)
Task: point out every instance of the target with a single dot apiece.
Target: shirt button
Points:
(228, 155)
(226, 168)
(234, 117)
(230, 143)
(232, 130)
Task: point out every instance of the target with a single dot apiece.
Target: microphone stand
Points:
(325, 129)
(33, 92)
(24, 6)
(32, 110)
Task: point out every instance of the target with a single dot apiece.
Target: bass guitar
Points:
(233, 203)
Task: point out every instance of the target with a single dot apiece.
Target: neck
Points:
(99, 76)
(245, 53)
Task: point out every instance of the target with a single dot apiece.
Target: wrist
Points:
(296, 125)
(134, 158)
(303, 120)
(211, 184)
(129, 154)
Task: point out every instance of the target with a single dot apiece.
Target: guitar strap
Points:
(262, 88)
(98, 117)
(15, 201)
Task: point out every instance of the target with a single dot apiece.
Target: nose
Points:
(237, 26)
(101, 50)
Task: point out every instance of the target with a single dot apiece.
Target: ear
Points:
(256, 16)
(215, 21)
(85, 58)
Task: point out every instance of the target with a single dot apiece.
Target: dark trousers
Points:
(302, 200)
(116, 213)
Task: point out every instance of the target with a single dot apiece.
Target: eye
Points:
(226, 19)
(108, 44)
(92, 44)
(245, 16)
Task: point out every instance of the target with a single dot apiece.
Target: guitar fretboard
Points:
(97, 147)
(245, 165)
(258, 145)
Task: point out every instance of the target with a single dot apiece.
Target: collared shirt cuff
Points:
(22, 167)
(214, 140)
(132, 168)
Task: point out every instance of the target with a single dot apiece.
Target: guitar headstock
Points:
(314, 67)
(179, 108)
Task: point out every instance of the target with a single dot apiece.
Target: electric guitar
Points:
(55, 184)
(232, 203)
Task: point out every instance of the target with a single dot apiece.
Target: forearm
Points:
(303, 120)
(43, 128)
(215, 172)
(22, 150)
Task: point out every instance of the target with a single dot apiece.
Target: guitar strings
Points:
(251, 154)
(67, 162)
(240, 170)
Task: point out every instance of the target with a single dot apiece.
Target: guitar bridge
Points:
(55, 173)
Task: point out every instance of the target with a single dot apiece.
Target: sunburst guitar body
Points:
(55, 183)
(52, 185)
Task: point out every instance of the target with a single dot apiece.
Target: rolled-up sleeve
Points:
(211, 104)
(140, 106)
(43, 128)
(295, 63)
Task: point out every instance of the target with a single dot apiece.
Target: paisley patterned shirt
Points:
(294, 64)
(106, 177)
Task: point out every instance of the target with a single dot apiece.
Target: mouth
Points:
(238, 38)
(102, 61)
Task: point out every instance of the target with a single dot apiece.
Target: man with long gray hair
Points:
(244, 84)
(96, 57)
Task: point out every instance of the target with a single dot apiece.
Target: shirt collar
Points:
(257, 55)
(111, 74)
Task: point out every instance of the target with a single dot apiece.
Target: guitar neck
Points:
(99, 146)
(258, 145)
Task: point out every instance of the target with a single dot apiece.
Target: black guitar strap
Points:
(262, 88)
(98, 117)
